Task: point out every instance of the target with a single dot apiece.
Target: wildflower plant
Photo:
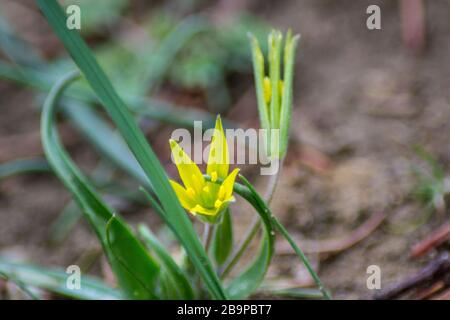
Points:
(199, 196)
(274, 90)
(141, 263)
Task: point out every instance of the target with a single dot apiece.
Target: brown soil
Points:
(362, 101)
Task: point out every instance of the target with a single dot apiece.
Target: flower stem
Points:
(254, 225)
(302, 257)
(207, 236)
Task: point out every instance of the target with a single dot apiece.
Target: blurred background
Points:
(365, 179)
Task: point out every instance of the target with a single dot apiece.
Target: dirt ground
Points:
(362, 101)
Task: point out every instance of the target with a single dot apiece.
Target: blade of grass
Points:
(105, 139)
(249, 280)
(54, 280)
(174, 213)
(249, 193)
(20, 166)
(94, 209)
(178, 283)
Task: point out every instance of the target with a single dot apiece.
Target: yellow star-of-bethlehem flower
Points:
(199, 196)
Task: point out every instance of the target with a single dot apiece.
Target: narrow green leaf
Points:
(177, 283)
(288, 83)
(259, 74)
(167, 50)
(94, 209)
(296, 293)
(55, 280)
(223, 238)
(104, 138)
(274, 39)
(249, 193)
(19, 166)
(249, 280)
(174, 213)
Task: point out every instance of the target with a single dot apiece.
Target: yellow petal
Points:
(185, 197)
(198, 209)
(189, 172)
(218, 160)
(223, 205)
(228, 185)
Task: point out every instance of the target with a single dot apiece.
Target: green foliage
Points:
(223, 238)
(54, 280)
(174, 214)
(98, 14)
(193, 53)
(431, 181)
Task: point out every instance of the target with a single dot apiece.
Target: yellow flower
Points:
(199, 196)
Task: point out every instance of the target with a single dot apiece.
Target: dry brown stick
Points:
(442, 296)
(341, 244)
(412, 13)
(435, 239)
(435, 269)
(430, 291)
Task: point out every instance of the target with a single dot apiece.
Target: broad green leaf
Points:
(176, 282)
(223, 238)
(54, 280)
(131, 254)
(175, 216)
(94, 209)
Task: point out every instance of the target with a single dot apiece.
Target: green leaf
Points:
(252, 196)
(288, 80)
(54, 280)
(223, 239)
(167, 50)
(176, 283)
(94, 209)
(259, 74)
(19, 166)
(96, 15)
(175, 215)
(274, 39)
(249, 280)
(104, 138)
(295, 293)
(131, 254)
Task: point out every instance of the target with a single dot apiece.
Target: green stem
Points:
(249, 193)
(207, 236)
(254, 225)
(302, 257)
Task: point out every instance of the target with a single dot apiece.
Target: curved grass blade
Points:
(249, 280)
(174, 213)
(31, 165)
(54, 280)
(250, 194)
(94, 209)
(105, 139)
(178, 286)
